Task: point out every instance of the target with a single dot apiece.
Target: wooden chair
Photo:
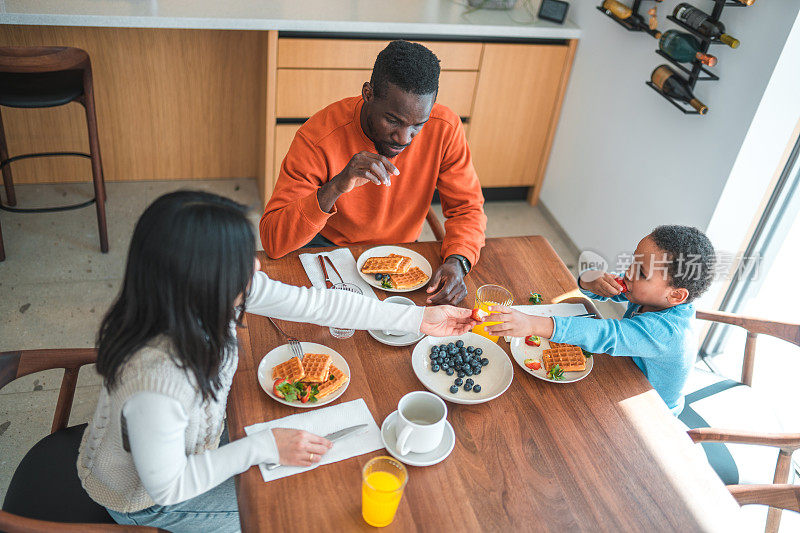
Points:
(778, 496)
(49, 76)
(435, 225)
(45, 491)
(715, 438)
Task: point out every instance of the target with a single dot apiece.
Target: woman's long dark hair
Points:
(191, 255)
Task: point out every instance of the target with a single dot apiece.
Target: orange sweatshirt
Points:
(438, 157)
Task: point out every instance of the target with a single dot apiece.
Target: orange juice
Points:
(380, 495)
(480, 329)
(485, 297)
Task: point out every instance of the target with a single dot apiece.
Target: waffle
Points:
(413, 278)
(291, 370)
(405, 264)
(568, 357)
(316, 366)
(382, 265)
(331, 385)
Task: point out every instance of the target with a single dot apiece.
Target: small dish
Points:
(438, 455)
(521, 351)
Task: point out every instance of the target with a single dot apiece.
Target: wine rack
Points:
(628, 25)
(698, 71)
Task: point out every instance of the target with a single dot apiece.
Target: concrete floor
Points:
(56, 286)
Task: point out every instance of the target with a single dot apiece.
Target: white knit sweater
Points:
(110, 474)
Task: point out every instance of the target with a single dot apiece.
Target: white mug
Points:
(397, 300)
(420, 422)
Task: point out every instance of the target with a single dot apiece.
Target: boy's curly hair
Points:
(691, 257)
(410, 66)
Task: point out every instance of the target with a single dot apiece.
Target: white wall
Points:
(624, 159)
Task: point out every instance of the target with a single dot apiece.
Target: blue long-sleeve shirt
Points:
(663, 344)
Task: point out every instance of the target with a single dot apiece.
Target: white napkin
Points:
(322, 422)
(345, 263)
(550, 310)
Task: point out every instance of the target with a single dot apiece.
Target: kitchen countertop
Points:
(417, 18)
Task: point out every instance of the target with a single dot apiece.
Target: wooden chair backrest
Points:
(20, 363)
(436, 226)
(781, 496)
(754, 327)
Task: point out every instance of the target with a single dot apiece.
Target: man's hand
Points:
(600, 283)
(299, 448)
(447, 284)
(446, 320)
(364, 167)
(514, 323)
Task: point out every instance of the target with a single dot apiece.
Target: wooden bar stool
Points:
(49, 76)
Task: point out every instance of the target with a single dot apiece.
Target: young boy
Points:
(672, 266)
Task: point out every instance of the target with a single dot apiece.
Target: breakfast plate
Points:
(382, 251)
(521, 351)
(494, 379)
(284, 353)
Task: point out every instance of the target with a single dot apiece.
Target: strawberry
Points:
(533, 364)
(479, 314)
(533, 340)
(621, 281)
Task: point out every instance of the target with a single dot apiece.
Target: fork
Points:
(294, 344)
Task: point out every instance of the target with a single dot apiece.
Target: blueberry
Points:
(462, 351)
(378, 277)
(445, 366)
(435, 368)
(459, 359)
(459, 381)
(451, 346)
(467, 387)
(468, 371)
(450, 371)
(470, 381)
(454, 389)
(433, 357)
(442, 346)
(459, 343)
(434, 349)
(470, 349)
(461, 373)
(478, 351)
(476, 371)
(457, 366)
(440, 360)
(453, 350)
(477, 388)
(484, 361)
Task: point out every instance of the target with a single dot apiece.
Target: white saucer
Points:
(438, 455)
(395, 340)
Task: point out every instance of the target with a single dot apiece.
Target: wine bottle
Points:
(623, 12)
(702, 23)
(684, 48)
(618, 9)
(669, 83)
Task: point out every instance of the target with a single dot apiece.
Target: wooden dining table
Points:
(600, 454)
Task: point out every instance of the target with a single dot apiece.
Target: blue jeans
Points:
(214, 511)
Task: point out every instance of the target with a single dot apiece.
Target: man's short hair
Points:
(691, 257)
(410, 66)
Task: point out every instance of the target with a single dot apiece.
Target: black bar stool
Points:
(49, 76)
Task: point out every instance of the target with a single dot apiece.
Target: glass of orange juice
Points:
(485, 297)
(382, 482)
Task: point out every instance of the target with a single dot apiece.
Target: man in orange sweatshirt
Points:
(353, 175)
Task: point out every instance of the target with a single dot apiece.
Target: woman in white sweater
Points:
(167, 352)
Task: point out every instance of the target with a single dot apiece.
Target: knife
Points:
(328, 282)
(333, 437)
(330, 262)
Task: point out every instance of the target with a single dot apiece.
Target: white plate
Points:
(389, 437)
(521, 351)
(494, 378)
(395, 340)
(284, 353)
(382, 251)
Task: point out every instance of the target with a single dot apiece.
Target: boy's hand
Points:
(517, 324)
(600, 283)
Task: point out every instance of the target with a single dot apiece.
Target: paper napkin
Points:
(345, 263)
(322, 422)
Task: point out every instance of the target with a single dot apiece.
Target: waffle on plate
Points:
(568, 357)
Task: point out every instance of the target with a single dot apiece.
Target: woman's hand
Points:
(446, 320)
(300, 448)
(600, 283)
(517, 324)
